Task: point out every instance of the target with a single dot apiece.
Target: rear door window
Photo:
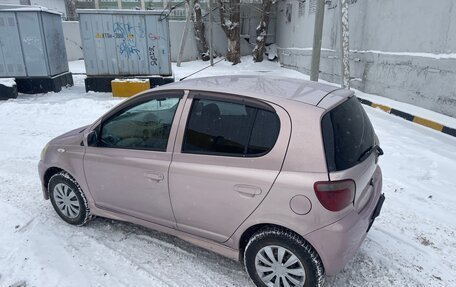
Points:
(227, 128)
(264, 133)
(347, 134)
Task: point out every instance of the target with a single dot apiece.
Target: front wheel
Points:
(280, 258)
(68, 199)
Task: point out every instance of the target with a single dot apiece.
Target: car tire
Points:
(68, 199)
(270, 250)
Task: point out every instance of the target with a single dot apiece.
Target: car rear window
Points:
(347, 134)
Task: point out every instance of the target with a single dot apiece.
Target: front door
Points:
(127, 172)
(227, 156)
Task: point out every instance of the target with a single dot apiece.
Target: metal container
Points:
(31, 42)
(125, 42)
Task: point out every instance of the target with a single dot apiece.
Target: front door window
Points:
(145, 126)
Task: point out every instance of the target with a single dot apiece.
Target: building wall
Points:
(56, 5)
(399, 49)
(15, 2)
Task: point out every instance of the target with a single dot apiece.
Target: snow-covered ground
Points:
(413, 243)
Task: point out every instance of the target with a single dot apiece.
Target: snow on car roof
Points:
(260, 87)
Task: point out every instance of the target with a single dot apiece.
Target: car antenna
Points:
(223, 58)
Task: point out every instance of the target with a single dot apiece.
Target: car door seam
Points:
(184, 101)
(275, 179)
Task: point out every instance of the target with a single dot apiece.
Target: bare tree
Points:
(262, 31)
(71, 10)
(230, 16)
(199, 30)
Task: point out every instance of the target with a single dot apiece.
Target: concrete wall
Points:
(250, 18)
(393, 47)
(73, 43)
(176, 28)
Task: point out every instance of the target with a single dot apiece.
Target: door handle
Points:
(152, 176)
(247, 190)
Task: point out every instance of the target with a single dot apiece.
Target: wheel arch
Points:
(249, 232)
(260, 232)
(52, 172)
(47, 176)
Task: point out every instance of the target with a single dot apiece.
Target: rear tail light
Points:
(335, 195)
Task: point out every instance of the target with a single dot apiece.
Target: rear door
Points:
(227, 156)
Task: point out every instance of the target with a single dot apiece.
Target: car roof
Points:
(269, 88)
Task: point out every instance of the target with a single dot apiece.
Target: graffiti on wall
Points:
(128, 34)
(154, 37)
(152, 57)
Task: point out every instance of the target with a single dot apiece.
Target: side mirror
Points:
(92, 139)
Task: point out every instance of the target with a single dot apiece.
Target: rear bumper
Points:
(338, 243)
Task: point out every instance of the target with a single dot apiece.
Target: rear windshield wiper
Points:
(368, 152)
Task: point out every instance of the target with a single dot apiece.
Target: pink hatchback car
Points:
(278, 173)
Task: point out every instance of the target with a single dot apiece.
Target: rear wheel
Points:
(68, 199)
(280, 258)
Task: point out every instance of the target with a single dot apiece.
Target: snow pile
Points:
(77, 67)
(7, 82)
(412, 243)
(271, 51)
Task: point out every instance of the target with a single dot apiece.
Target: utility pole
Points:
(97, 4)
(318, 32)
(189, 5)
(143, 5)
(210, 33)
(119, 4)
(344, 45)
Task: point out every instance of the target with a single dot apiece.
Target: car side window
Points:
(226, 128)
(145, 126)
(264, 133)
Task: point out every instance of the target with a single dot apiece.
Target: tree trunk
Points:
(234, 51)
(345, 44)
(230, 16)
(71, 10)
(262, 31)
(199, 29)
